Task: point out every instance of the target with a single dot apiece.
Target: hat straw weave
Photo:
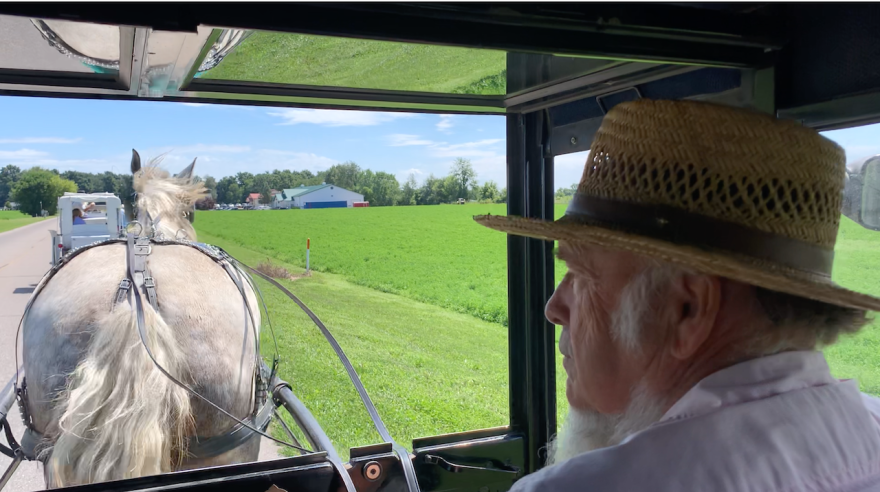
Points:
(723, 190)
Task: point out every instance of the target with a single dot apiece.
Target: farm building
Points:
(253, 199)
(320, 196)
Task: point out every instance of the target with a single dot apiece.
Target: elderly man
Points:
(699, 250)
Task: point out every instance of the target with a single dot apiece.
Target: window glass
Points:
(57, 45)
(303, 59)
(857, 266)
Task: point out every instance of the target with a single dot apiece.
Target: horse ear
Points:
(187, 172)
(135, 161)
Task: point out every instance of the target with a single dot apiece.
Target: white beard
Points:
(588, 430)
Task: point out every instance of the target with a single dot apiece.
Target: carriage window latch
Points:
(459, 468)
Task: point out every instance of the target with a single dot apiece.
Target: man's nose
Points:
(556, 311)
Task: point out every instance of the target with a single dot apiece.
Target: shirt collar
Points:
(753, 380)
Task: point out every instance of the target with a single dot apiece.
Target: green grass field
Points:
(13, 219)
(417, 298)
(429, 370)
(341, 62)
(434, 254)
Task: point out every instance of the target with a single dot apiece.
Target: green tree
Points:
(489, 191)
(9, 175)
(409, 191)
(245, 183)
(463, 173)
(449, 189)
(346, 175)
(109, 183)
(266, 196)
(37, 186)
(211, 185)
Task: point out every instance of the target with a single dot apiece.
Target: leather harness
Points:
(139, 249)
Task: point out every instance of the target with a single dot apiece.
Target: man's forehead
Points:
(590, 255)
(570, 250)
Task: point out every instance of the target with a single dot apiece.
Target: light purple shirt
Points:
(780, 423)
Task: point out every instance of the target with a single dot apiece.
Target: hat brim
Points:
(759, 273)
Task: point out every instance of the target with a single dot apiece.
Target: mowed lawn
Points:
(417, 298)
(367, 64)
(13, 219)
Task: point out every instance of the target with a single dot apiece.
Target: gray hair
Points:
(638, 300)
(797, 323)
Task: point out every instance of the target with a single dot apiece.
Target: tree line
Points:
(35, 185)
(378, 187)
(38, 189)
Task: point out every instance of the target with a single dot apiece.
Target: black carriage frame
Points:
(817, 63)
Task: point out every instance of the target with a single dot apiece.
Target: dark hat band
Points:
(682, 227)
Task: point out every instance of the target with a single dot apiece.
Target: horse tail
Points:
(120, 417)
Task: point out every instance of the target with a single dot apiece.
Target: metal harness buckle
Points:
(122, 291)
(142, 247)
(150, 287)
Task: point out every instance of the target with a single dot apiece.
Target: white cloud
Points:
(445, 123)
(402, 176)
(220, 106)
(336, 117)
(299, 161)
(482, 148)
(220, 149)
(569, 168)
(401, 140)
(22, 154)
(491, 168)
(83, 165)
(39, 140)
(856, 152)
(186, 153)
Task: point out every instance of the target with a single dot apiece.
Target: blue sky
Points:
(96, 136)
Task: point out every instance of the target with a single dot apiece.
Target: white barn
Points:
(320, 196)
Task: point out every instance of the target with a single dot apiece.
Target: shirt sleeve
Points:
(872, 403)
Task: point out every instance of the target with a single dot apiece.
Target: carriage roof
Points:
(109, 198)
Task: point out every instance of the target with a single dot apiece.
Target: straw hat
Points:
(721, 190)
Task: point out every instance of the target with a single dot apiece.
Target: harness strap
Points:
(409, 471)
(141, 271)
(209, 447)
(122, 291)
(141, 327)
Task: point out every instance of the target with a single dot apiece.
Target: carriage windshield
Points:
(364, 211)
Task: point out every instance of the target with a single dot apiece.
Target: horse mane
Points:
(167, 198)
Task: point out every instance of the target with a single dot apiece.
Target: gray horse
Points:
(105, 410)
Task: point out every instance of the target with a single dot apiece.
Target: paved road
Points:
(24, 258)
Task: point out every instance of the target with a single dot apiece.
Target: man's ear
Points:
(696, 300)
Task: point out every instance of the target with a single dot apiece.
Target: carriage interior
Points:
(564, 66)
